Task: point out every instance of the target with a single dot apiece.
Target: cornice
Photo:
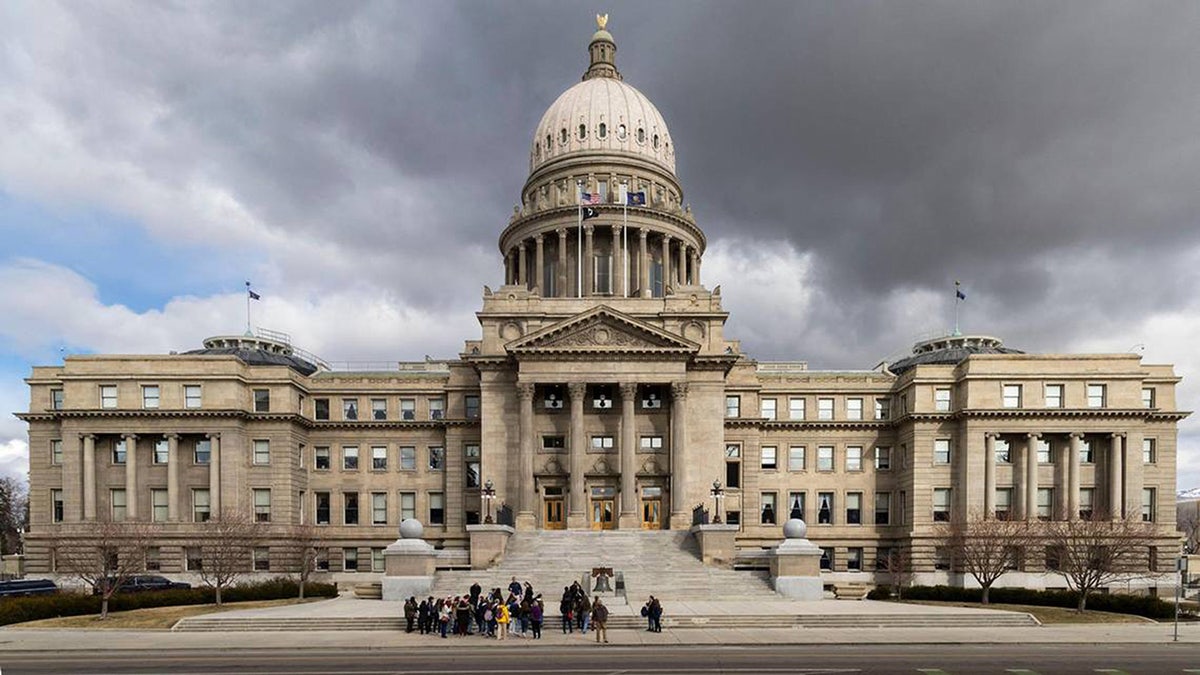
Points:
(806, 425)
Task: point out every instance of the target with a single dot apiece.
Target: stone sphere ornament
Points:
(792, 529)
(411, 528)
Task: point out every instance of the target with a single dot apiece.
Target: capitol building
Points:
(601, 393)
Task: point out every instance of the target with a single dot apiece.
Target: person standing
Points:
(656, 612)
(502, 619)
(423, 611)
(565, 607)
(536, 613)
(600, 620)
(583, 611)
(515, 587)
(410, 613)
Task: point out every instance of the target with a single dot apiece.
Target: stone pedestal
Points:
(796, 564)
(717, 543)
(488, 543)
(409, 564)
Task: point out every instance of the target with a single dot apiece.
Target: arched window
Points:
(621, 132)
(537, 151)
(547, 142)
(603, 130)
(641, 135)
(655, 141)
(562, 136)
(582, 131)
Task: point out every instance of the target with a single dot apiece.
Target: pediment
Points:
(602, 330)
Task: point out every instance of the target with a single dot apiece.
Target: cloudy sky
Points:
(358, 160)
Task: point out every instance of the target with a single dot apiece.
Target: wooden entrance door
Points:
(552, 514)
(651, 514)
(602, 514)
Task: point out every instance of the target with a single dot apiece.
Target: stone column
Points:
(617, 276)
(173, 478)
(989, 476)
(562, 262)
(522, 273)
(629, 504)
(666, 263)
(214, 475)
(131, 480)
(1116, 453)
(1031, 476)
(576, 500)
(540, 267)
(679, 468)
(525, 506)
(1073, 477)
(695, 277)
(681, 267)
(89, 476)
(643, 263)
(589, 260)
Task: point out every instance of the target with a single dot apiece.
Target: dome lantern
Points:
(603, 52)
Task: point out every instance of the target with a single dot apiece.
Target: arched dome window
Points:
(547, 143)
(562, 137)
(641, 135)
(655, 141)
(603, 130)
(621, 132)
(537, 151)
(582, 131)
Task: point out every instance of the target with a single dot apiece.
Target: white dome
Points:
(615, 118)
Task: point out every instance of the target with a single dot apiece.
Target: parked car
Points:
(142, 582)
(19, 587)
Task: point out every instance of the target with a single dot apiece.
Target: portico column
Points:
(681, 267)
(525, 517)
(643, 263)
(679, 467)
(89, 476)
(589, 276)
(522, 273)
(173, 478)
(1031, 476)
(628, 518)
(214, 475)
(695, 278)
(1073, 477)
(131, 484)
(989, 476)
(576, 504)
(1116, 452)
(617, 274)
(540, 269)
(562, 262)
(666, 262)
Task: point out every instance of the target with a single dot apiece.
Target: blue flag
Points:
(959, 294)
(635, 199)
(253, 295)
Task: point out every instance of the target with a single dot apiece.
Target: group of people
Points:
(653, 611)
(493, 615)
(577, 611)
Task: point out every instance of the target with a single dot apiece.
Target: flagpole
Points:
(957, 299)
(579, 241)
(248, 331)
(625, 235)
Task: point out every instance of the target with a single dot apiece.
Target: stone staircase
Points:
(665, 564)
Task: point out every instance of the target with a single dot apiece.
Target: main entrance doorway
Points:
(652, 508)
(554, 509)
(603, 508)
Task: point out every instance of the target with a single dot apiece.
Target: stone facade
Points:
(601, 393)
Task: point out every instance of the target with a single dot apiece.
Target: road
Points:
(579, 660)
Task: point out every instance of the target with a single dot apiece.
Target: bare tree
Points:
(14, 513)
(1189, 524)
(898, 564)
(106, 556)
(1090, 553)
(301, 552)
(986, 548)
(226, 543)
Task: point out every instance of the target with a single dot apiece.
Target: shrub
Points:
(1140, 605)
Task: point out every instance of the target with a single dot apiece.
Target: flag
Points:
(958, 294)
(589, 212)
(586, 198)
(253, 295)
(635, 199)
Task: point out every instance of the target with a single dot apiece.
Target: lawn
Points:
(153, 618)
(1047, 615)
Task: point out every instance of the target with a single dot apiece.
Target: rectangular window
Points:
(1086, 454)
(350, 458)
(1043, 451)
(150, 396)
(651, 443)
(153, 559)
(941, 451)
(56, 505)
(472, 467)
(733, 467)
(379, 408)
(118, 452)
(796, 408)
(56, 399)
(437, 408)
(824, 508)
(1012, 396)
(854, 408)
(1003, 503)
(603, 273)
(941, 399)
(552, 398)
(161, 451)
(377, 560)
(902, 507)
(471, 407)
(321, 408)
(262, 505)
(1149, 454)
(854, 508)
(883, 409)
(768, 509)
(656, 279)
(854, 556)
(349, 508)
(108, 396)
(883, 459)
(379, 508)
(1086, 502)
(796, 458)
(192, 560)
(408, 458)
(117, 501)
(883, 508)
(733, 406)
(1148, 398)
(1054, 396)
(1045, 503)
(603, 443)
(769, 459)
(324, 507)
(56, 451)
(262, 400)
(408, 409)
(349, 408)
(349, 560)
(941, 505)
(651, 398)
(437, 508)
(200, 505)
(437, 458)
(767, 408)
(824, 408)
(942, 558)
(158, 506)
(1148, 510)
(408, 505)
(321, 458)
(262, 559)
(379, 458)
(827, 558)
(1096, 395)
(262, 452)
(825, 458)
(796, 505)
(854, 458)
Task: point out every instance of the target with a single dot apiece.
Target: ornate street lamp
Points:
(488, 493)
(718, 493)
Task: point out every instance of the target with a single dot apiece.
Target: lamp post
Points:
(717, 493)
(488, 493)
